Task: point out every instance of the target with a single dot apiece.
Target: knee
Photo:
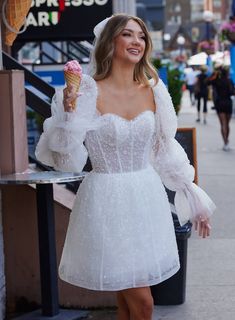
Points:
(223, 127)
(146, 308)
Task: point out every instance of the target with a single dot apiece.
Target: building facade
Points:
(197, 9)
(152, 12)
(220, 9)
(184, 11)
(124, 6)
(186, 17)
(177, 12)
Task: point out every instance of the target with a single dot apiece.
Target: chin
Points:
(134, 60)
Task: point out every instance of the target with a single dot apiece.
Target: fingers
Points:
(205, 232)
(70, 88)
(70, 95)
(203, 227)
(208, 229)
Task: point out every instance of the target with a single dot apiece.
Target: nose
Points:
(136, 40)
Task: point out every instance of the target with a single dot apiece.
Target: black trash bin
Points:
(172, 290)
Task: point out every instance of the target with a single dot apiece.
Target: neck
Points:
(122, 75)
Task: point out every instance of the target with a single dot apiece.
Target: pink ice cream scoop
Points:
(73, 66)
(73, 75)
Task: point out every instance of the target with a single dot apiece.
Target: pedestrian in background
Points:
(190, 80)
(224, 89)
(201, 92)
(121, 234)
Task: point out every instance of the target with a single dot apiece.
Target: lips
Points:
(136, 52)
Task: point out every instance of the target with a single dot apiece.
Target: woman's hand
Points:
(203, 227)
(70, 95)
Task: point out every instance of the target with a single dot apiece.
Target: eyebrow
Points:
(140, 32)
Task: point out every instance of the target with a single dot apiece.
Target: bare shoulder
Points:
(103, 96)
(145, 93)
(144, 89)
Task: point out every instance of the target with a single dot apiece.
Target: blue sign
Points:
(232, 66)
(233, 8)
(54, 78)
(162, 72)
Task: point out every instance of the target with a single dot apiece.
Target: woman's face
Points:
(129, 45)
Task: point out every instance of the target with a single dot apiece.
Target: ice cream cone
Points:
(73, 76)
(15, 13)
(74, 80)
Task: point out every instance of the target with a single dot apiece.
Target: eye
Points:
(126, 34)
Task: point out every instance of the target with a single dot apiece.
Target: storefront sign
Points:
(57, 20)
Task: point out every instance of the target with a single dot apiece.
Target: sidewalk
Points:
(210, 292)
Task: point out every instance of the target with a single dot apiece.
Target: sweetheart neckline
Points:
(123, 118)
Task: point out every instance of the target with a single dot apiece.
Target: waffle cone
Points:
(16, 11)
(74, 80)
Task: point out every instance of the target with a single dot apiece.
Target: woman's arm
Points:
(172, 164)
(61, 143)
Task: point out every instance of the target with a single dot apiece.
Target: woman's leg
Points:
(198, 108)
(204, 108)
(228, 118)
(227, 129)
(140, 303)
(223, 126)
(123, 310)
(191, 94)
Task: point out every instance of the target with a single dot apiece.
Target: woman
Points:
(121, 236)
(201, 92)
(224, 89)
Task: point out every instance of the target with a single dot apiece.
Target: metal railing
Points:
(45, 52)
(32, 100)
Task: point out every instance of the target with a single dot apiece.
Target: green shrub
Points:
(175, 87)
(174, 83)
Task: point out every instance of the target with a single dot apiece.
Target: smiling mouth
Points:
(136, 52)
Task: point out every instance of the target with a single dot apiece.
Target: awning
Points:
(198, 59)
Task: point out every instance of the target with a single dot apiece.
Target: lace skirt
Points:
(120, 233)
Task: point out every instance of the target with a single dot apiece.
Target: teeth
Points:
(134, 51)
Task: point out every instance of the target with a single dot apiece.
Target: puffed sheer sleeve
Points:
(171, 162)
(61, 143)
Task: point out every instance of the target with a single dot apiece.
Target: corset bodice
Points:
(119, 145)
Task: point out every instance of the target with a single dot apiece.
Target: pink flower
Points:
(206, 45)
(228, 27)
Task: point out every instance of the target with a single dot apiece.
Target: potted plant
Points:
(181, 58)
(174, 81)
(227, 31)
(207, 46)
(175, 85)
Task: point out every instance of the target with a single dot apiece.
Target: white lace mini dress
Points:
(120, 233)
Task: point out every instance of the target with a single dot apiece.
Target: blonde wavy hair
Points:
(104, 50)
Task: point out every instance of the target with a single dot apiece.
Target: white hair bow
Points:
(97, 32)
(100, 27)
